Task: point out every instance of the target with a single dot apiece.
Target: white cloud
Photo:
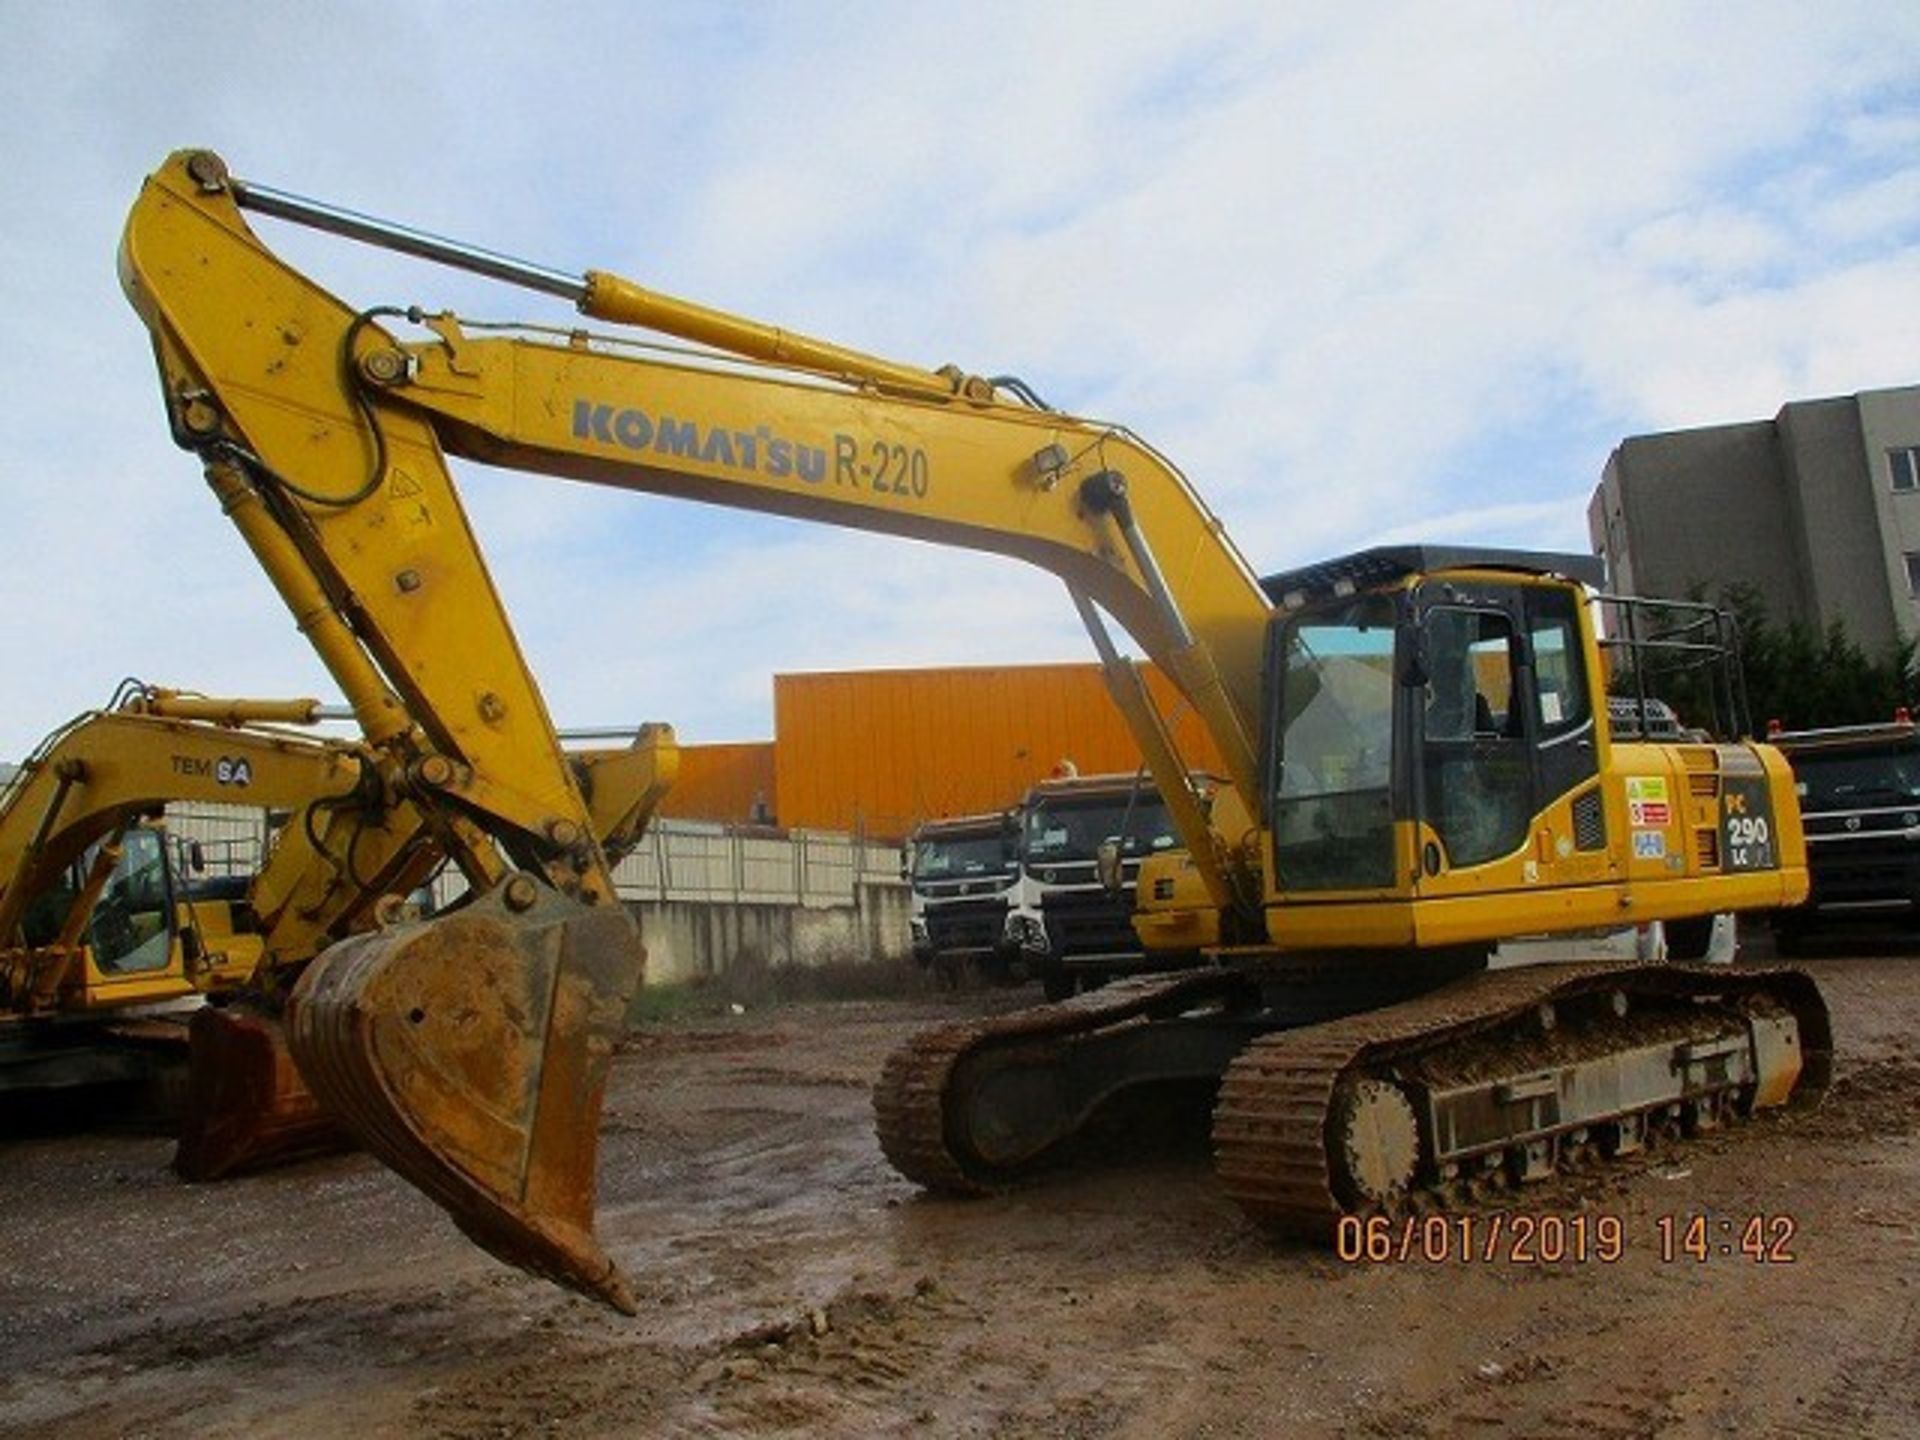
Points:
(1351, 268)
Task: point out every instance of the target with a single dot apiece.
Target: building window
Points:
(1913, 572)
(1904, 466)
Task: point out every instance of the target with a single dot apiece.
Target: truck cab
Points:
(1859, 788)
(1074, 931)
(965, 873)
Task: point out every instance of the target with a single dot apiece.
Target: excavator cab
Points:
(1441, 770)
(156, 930)
(1448, 706)
(1506, 721)
(129, 929)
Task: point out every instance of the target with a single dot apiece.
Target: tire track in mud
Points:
(270, 1364)
(567, 1389)
(1491, 1401)
(848, 1366)
(1870, 1395)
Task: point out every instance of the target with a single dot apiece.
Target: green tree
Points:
(1807, 679)
(1802, 677)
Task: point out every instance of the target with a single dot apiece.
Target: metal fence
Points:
(232, 839)
(677, 860)
(685, 860)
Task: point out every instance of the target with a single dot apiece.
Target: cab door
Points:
(1505, 725)
(1474, 786)
(1566, 753)
(130, 932)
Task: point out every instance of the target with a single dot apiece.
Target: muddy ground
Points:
(792, 1285)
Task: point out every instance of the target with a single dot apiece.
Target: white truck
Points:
(965, 877)
(1073, 931)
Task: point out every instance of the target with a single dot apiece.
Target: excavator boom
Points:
(87, 781)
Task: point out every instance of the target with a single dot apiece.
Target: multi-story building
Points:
(1817, 508)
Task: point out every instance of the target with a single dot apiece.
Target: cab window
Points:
(130, 929)
(1477, 771)
(1333, 811)
(1470, 675)
(1559, 667)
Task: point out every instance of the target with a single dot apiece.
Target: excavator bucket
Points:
(470, 1053)
(247, 1105)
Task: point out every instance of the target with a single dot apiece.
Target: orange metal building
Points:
(731, 783)
(879, 751)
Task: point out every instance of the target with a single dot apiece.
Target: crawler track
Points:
(1287, 1100)
(911, 1103)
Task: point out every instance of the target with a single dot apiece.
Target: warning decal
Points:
(1647, 801)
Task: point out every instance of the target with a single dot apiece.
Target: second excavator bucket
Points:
(470, 1053)
(247, 1105)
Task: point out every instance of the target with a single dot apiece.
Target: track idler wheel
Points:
(470, 1053)
(1374, 1143)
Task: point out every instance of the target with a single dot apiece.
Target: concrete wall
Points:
(1843, 553)
(1703, 507)
(692, 939)
(1890, 420)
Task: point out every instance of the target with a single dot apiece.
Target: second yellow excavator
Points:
(104, 932)
(1421, 760)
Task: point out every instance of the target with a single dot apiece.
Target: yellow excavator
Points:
(1418, 743)
(103, 931)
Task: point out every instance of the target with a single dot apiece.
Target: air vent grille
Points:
(1706, 848)
(1589, 822)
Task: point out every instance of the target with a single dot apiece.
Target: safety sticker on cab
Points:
(1648, 804)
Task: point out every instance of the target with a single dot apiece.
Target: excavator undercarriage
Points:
(1444, 1099)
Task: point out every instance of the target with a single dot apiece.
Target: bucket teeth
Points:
(470, 1053)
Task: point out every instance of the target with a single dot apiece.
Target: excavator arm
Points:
(347, 846)
(92, 778)
(341, 429)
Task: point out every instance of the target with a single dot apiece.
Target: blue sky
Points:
(1376, 271)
